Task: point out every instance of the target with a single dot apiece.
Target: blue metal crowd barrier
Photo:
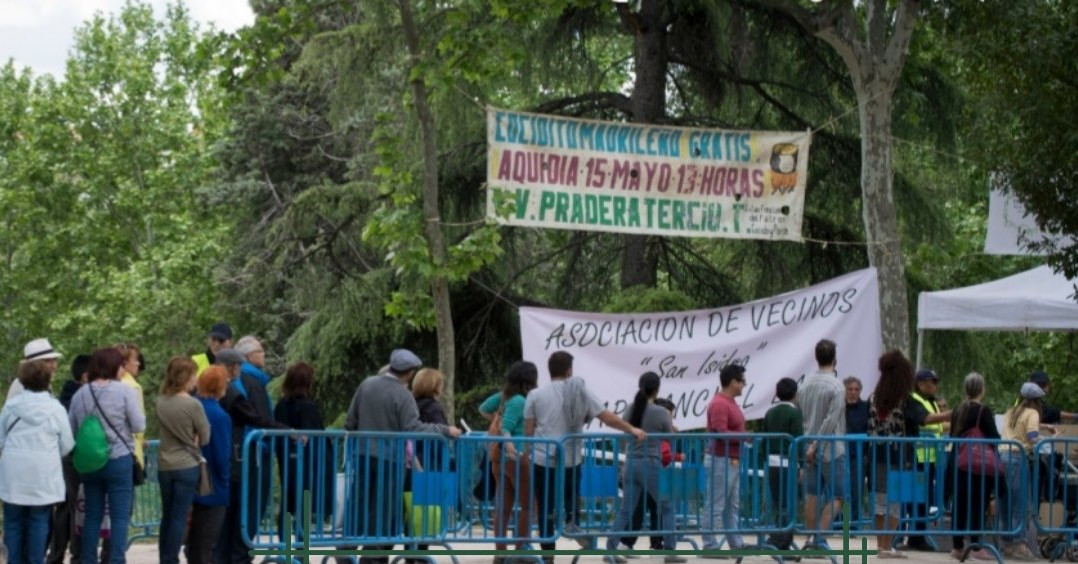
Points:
(397, 489)
(1055, 485)
(146, 508)
(380, 489)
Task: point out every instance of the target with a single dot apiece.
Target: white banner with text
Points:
(773, 338)
(567, 173)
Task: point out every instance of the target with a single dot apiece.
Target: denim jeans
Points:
(642, 478)
(25, 531)
(1019, 488)
(177, 495)
(113, 481)
(723, 502)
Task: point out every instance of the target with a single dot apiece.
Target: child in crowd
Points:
(785, 417)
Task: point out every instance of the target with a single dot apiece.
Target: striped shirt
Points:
(823, 402)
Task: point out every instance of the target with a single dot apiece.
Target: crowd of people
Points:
(87, 451)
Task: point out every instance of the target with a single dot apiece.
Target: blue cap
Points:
(927, 374)
(220, 331)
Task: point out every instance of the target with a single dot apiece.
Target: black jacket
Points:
(250, 411)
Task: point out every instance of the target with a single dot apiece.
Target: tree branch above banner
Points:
(567, 173)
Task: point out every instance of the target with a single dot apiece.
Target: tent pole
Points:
(920, 348)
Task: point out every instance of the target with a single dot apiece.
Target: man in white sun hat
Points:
(38, 350)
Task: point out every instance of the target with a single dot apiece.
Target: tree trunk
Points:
(875, 59)
(639, 262)
(439, 286)
(881, 218)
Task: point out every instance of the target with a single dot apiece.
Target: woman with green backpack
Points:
(105, 414)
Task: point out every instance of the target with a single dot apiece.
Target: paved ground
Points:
(147, 554)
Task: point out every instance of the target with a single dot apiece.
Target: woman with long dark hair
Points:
(512, 467)
(298, 410)
(972, 488)
(893, 413)
(643, 464)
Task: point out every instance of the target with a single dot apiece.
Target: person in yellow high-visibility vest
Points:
(925, 394)
(219, 337)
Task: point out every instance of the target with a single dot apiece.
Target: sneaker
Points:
(957, 554)
(891, 554)
(982, 554)
(614, 559)
(1018, 551)
(572, 531)
(674, 559)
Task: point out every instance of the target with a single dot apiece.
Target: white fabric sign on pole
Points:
(774, 338)
(1011, 228)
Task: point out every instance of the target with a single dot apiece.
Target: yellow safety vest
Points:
(924, 453)
(202, 361)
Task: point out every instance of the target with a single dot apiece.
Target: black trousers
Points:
(206, 523)
(374, 507)
(637, 522)
(971, 504)
(544, 482)
(62, 524)
(231, 548)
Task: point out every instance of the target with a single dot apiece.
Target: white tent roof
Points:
(1037, 299)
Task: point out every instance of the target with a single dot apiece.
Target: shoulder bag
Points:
(978, 458)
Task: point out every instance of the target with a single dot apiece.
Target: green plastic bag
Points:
(91, 451)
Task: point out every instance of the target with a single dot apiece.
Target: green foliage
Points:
(639, 299)
(106, 233)
(272, 177)
(1022, 78)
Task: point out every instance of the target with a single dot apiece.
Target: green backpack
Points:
(91, 451)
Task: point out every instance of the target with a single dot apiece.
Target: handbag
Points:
(978, 458)
(205, 483)
(138, 473)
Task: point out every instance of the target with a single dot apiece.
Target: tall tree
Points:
(1022, 78)
(432, 216)
(111, 168)
(872, 39)
(648, 26)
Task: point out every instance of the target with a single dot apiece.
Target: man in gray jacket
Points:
(382, 403)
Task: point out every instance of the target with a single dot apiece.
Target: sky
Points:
(39, 33)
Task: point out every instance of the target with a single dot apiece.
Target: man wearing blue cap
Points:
(382, 403)
(218, 338)
(928, 383)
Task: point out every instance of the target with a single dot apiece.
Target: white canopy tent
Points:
(1037, 300)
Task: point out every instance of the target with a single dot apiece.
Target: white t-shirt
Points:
(550, 407)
